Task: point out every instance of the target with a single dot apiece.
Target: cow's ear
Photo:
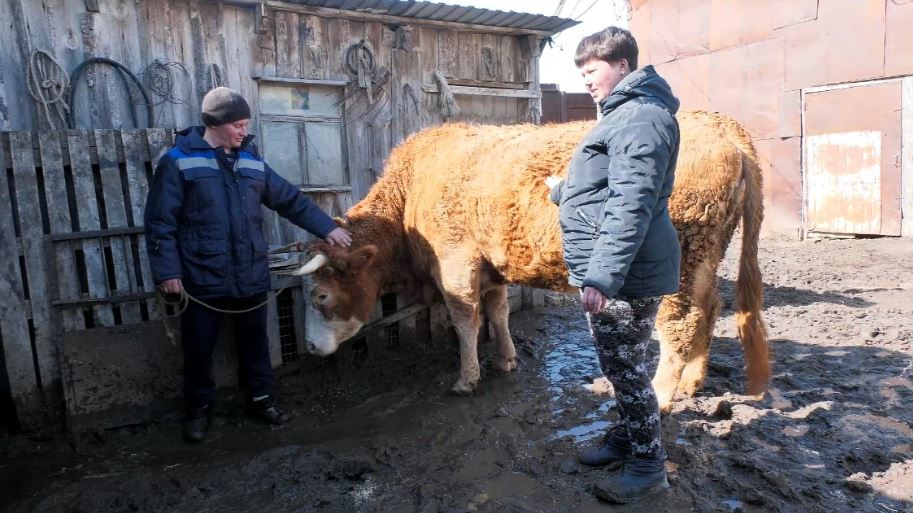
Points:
(362, 257)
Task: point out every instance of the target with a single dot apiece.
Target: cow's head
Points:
(342, 294)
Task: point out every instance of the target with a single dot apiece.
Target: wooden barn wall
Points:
(207, 40)
(751, 60)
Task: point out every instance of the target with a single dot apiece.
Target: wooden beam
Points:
(299, 81)
(384, 18)
(484, 91)
(481, 83)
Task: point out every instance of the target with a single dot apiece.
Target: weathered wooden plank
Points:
(470, 45)
(338, 41)
(483, 91)
(156, 17)
(87, 208)
(197, 55)
(31, 231)
(136, 151)
(288, 43)
(272, 330)
(314, 54)
(409, 112)
(510, 60)
(264, 54)
(14, 327)
(299, 309)
(125, 44)
(448, 53)
(65, 282)
(116, 217)
(169, 14)
(186, 87)
(379, 118)
(429, 41)
(214, 40)
(490, 58)
(20, 114)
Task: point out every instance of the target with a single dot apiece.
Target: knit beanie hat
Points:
(223, 105)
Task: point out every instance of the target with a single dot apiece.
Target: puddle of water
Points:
(734, 504)
(584, 432)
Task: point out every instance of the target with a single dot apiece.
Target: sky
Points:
(557, 62)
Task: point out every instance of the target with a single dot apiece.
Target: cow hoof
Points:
(462, 389)
(506, 365)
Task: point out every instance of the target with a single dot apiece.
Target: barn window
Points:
(303, 135)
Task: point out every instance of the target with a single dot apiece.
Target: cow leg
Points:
(676, 324)
(462, 295)
(708, 300)
(466, 321)
(497, 310)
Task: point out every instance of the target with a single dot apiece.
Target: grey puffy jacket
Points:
(618, 236)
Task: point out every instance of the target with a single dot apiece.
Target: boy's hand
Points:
(339, 237)
(552, 181)
(592, 300)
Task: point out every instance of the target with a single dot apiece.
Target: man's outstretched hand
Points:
(339, 237)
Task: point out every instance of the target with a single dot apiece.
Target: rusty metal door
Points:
(852, 158)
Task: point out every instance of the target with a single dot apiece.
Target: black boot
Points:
(638, 478)
(268, 411)
(196, 424)
(610, 452)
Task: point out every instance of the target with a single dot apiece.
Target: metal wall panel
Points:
(839, 128)
(843, 182)
(898, 41)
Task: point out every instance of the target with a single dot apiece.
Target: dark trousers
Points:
(199, 331)
(622, 333)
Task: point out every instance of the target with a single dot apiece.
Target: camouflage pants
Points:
(621, 333)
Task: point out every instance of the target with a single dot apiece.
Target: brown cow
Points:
(464, 208)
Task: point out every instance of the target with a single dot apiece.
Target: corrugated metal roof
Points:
(448, 12)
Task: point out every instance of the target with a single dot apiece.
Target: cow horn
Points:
(316, 262)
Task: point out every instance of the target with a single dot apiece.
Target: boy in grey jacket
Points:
(620, 246)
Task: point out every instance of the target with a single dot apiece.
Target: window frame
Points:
(302, 122)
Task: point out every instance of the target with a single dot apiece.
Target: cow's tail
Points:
(749, 287)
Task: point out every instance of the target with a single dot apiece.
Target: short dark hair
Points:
(611, 44)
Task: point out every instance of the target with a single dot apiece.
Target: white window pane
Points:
(282, 149)
(302, 100)
(324, 154)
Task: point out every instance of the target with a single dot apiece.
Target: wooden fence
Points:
(72, 249)
(78, 323)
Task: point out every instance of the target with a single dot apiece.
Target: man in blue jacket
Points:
(621, 248)
(203, 231)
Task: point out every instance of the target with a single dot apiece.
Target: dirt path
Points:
(834, 435)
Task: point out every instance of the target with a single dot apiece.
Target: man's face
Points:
(601, 77)
(232, 134)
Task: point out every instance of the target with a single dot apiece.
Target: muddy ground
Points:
(835, 434)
